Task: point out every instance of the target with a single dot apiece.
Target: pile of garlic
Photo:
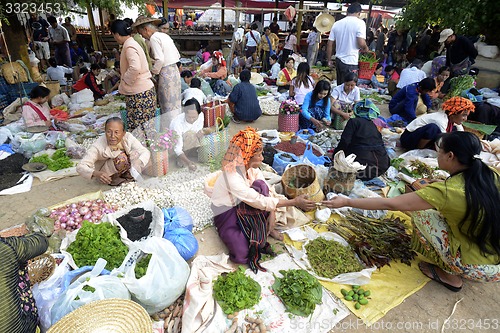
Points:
(130, 194)
(269, 106)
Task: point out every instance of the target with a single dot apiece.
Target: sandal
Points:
(432, 269)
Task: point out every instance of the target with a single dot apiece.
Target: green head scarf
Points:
(366, 109)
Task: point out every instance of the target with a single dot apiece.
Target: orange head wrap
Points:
(457, 105)
(242, 148)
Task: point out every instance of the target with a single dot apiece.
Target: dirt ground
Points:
(424, 311)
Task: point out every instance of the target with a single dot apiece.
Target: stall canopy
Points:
(213, 16)
(258, 5)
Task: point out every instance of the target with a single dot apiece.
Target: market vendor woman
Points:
(244, 211)
(36, 111)
(110, 158)
(456, 222)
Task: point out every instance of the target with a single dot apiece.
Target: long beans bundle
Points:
(376, 242)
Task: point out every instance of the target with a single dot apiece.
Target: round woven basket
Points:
(101, 102)
(112, 315)
(41, 268)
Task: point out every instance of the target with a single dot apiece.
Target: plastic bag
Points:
(82, 96)
(316, 160)
(54, 138)
(184, 241)
(177, 217)
(61, 99)
(41, 222)
(47, 292)
(206, 88)
(5, 135)
(100, 287)
(89, 119)
(206, 65)
(165, 278)
(28, 143)
(281, 162)
(76, 152)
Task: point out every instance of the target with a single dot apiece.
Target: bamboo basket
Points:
(41, 268)
(302, 179)
(339, 182)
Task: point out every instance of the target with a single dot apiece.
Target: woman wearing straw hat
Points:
(242, 203)
(135, 83)
(18, 312)
(165, 57)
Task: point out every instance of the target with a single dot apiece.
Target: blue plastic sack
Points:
(316, 160)
(184, 241)
(280, 164)
(177, 217)
(305, 133)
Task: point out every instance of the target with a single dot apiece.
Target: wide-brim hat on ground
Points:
(105, 316)
(144, 20)
(443, 36)
(256, 78)
(324, 22)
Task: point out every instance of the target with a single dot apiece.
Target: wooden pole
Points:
(233, 40)
(165, 9)
(95, 42)
(102, 21)
(369, 19)
(299, 22)
(222, 15)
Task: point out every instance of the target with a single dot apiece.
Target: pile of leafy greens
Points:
(236, 291)
(299, 291)
(94, 241)
(59, 160)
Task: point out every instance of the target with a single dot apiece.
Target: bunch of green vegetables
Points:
(299, 291)
(376, 241)
(368, 57)
(94, 241)
(416, 169)
(460, 83)
(329, 258)
(236, 291)
(142, 266)
(59, 160)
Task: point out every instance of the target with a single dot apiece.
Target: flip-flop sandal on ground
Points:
(432, 269)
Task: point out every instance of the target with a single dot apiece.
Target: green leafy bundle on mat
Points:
(299, 291)
(375, 241)
(94, 241)
(329, 258)
(236, 291)
(57, 161)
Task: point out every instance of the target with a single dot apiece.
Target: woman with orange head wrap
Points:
(424, 130)
(243, 209)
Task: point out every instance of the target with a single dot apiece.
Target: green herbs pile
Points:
(458, 84)
(58, 161)
(94, 241)
(416, 169)
(142, 266)
(376, 241)
(299, 291)
(329, 258)
(368, 57)
(236, 291)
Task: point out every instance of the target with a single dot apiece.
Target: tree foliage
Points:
(463, 16)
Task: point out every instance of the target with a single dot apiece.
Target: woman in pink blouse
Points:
(36, 111)
(135, 84)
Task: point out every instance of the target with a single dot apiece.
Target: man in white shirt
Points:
(347, 36)
(252, 40)
(59, 37)
(411, 75)
(194, 92)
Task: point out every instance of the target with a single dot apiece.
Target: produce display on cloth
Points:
(94, 241)
(357, 295)
(136, 228)
(171, 316)
(329, 258)
(269, 106)
(71, 216)
(327, 139)
(296, 148)
(59, 160)
(299, 291)
(376, 241)
(236, 291)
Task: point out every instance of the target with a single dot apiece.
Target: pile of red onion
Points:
(71, 217)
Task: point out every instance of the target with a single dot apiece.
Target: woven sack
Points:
(302, 179)
(212, 111)
(13, 73)
(158, 164)
(214, 145)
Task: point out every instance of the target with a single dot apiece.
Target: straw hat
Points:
(256, 78)
(324, 22)
(144, 19)
(112, 315)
